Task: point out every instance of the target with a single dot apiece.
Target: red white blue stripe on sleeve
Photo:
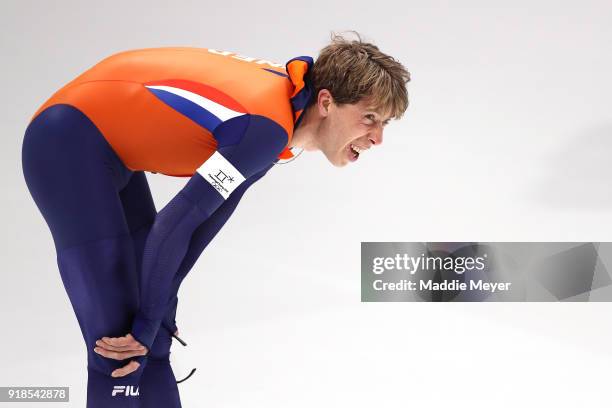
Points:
(201, 103)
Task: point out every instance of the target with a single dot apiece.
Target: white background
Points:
(507, 138)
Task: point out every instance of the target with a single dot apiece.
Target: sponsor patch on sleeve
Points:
(221, 174)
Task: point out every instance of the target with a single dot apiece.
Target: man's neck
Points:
(305, 135)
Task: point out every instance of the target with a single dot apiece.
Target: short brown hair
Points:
(353, 69)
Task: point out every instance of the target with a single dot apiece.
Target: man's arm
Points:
(170, 235)
(200, 239)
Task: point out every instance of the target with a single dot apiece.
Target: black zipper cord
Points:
(184, 344)
(190, 374)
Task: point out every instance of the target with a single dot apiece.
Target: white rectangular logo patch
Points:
(221, 174)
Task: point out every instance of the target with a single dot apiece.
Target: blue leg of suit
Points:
(99, 213)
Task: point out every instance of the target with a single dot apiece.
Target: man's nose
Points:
(376, 137)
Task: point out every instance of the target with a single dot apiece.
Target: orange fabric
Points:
(148, 134)
(296, 71)
(285, 154)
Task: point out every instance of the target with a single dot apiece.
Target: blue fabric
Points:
(99, 213)
(101, 216)
(276, 72)
(229, 132)
(174, 226)
(205, 233)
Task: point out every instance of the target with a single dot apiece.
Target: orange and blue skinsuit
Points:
(221, 119)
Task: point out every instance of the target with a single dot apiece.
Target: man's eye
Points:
(370, 117)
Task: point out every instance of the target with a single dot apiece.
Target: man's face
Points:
(350, 127)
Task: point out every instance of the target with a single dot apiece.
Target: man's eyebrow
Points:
(379, 113)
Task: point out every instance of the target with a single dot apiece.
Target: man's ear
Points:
(324, 101)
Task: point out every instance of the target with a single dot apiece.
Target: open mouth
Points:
(353, 152)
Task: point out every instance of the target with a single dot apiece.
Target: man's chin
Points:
(337, 161)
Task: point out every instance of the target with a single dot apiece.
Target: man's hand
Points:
(120, 348)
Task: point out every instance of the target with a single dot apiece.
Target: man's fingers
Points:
(119, 355)
(125, 370)
(110, 347)
(127, 340)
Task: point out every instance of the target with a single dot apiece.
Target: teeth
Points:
(358, 150)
